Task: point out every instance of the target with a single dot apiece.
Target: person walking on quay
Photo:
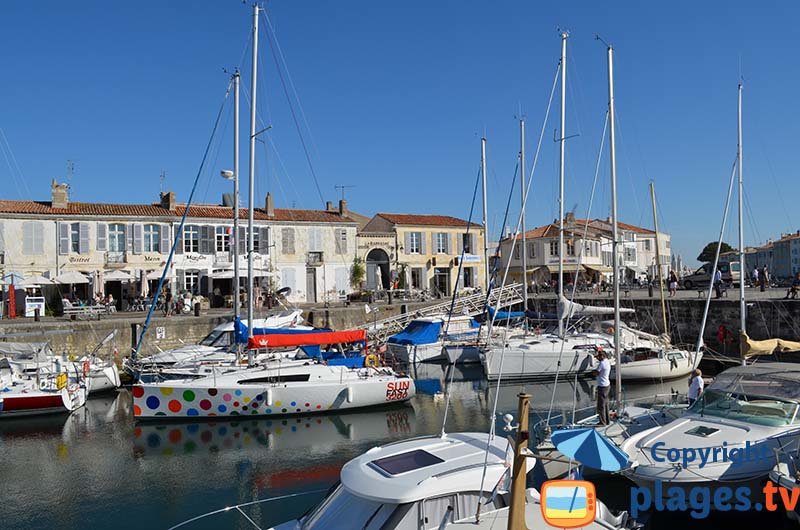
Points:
(696, 385)
(755, 276)
(603, 386)
(718, 283)
(764, 278)
(673, 284)
(792, 292)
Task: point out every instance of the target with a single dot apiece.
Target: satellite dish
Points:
(283, 291)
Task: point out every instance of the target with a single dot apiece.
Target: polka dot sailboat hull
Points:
(279, 389)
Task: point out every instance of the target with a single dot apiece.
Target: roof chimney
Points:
(329, 207)
(59, 194)
(227, 200)
(168, 201)
(270, 206)
(569, 220)
(343, 208)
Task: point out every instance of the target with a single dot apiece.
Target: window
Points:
(341, 240)
(32, 238)
(152, 238)
(75, 237)
(441, 243)
(630, 254)
(570, 248)
(647, 244)
(191, 238)
(417, 274)
(116, 238)
(554, 248)
(256, 240)
(315, 239)
(287, 240)
(587, 248)
(516, 251)
(531, 250)
(466, 242)
(469, 276)
(629, 236)
(415, 242)
(223, 239)
(191, 281)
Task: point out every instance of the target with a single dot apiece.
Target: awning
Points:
(568, 268)
(599, 268)
(37, 280)
(116, 276)
(278, 340)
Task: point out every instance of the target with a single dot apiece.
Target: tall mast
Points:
(236, 79)
(251, 182)
(485, 217)
(524, 249)
(742, 267)
(660, 274)
(614, 232)
(562, 146)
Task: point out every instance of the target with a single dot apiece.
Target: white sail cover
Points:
(567, 309)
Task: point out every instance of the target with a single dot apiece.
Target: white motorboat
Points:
(278, 388)
(748, 411)
(429, 483)
(423, 339)
(23, 395)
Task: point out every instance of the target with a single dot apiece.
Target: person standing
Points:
(755, 276)
(603, 386)
(673, 284)
(764, 277)
(718, 283)
(696, 385)
(167, 303)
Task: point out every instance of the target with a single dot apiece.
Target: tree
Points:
(357, 273)
(710, 250)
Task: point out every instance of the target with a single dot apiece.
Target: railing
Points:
(222, 258)
(115, 258)
(314, 259)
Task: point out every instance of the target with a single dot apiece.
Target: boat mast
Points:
(614, 232)
(564, 36)
(251, 182)
(742, 267)
(660, 274)
(236, 79)
(485, 217)
(524, 253)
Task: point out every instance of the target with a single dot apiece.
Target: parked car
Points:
(702, 277)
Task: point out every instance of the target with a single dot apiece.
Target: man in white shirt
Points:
(718, 283)
(603, 385)
(696, 385)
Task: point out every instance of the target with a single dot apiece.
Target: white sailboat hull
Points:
(655, 369)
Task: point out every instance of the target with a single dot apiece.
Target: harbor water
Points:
(99, 469)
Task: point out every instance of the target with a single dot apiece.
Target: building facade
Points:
(786, 256)
(422, 252)
(123, 248)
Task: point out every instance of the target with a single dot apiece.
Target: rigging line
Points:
(455, 291)
(580, 260)
(772, 176)
(294, 119)
(291, 81)
(20, 176)
(237, 506)
(627, 164)
(751, 218)
(11, 172)
(176, 238)
(216, 155)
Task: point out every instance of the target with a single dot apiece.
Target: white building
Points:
(123, 248)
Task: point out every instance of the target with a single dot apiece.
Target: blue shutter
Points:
(102, 237)
(83, 238)
(63, 238)
(166, 241)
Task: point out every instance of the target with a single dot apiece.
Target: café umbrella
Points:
(590, 448)
(71, 278)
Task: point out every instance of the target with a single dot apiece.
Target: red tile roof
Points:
(425, 220)
(207, 211)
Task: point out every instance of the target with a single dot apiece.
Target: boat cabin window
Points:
(218, 338)
(342, 509)
(751, 408)
(456, 507)
(285, 378)
(408, 461)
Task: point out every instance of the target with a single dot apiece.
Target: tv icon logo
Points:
(568, 503)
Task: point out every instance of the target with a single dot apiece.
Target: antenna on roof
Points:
(342, 187)
(70, 171)
(162, 178)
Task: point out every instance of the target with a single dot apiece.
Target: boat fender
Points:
(610, 330)
(371, 361)
(86, 368)
(349, 394)
(268, 397)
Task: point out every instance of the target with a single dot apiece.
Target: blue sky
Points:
(396, 96)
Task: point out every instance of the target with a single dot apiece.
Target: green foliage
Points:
(357, 273)
(710, 250)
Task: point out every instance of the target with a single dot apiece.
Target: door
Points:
(372, 276)
(311, 285)
(442, 281)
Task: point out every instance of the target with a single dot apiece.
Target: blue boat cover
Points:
(241, 331)
(505, 315)
(418, 332)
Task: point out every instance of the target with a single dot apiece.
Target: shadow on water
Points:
(99, 469)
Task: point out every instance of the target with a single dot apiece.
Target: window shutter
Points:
(473, 244)
(243, 241)
(83, 238)
(2, 239)
(208, 239)
(407, 244)
(422, 238)
(102, 237)
(180, 275)
(292, 249)
(337, 235)
(166, 240)
(263, 240)
(38, 238)
(63, 238)
(129, 237)
(179, 246)
(137, 238)
(460, 243)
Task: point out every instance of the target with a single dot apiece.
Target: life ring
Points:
(610, 330)
(86, 368)
(371, 361)
(72, 358)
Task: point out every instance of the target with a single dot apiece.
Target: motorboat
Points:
(424, 338)
(429, 483)
(38, 395)
(748, 411)
(279, 388)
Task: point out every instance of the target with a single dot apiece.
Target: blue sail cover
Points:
(418, 332)
(505, 315)
(241, 331)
